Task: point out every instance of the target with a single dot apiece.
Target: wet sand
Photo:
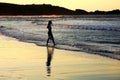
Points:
(26, 61)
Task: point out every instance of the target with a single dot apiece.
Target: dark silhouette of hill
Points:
(13, 9)
(44, 9)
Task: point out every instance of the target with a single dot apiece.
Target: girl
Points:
(50, 35)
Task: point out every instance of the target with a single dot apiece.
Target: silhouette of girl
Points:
(50, 35)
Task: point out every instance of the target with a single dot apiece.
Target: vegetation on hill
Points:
(45, 9)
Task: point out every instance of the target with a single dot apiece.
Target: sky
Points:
(88, 5)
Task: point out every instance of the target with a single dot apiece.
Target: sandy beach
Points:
(27, 61)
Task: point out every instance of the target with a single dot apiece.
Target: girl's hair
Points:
(49, 22)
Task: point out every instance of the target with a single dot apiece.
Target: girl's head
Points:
(49, 22)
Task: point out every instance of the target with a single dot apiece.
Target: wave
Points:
(41, 41)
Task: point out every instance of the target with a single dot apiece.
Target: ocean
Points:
(95, 34)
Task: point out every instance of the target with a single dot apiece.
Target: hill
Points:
(45, 9)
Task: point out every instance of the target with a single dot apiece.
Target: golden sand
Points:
(26, 61)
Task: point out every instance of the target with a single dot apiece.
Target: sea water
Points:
(97, 34)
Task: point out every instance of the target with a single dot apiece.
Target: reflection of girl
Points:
(50, 51)
(50, 35)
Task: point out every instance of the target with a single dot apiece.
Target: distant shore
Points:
(46, 9)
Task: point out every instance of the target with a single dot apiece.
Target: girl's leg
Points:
(52, 39)
(47, 41)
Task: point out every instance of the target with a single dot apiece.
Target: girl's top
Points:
(49, 27)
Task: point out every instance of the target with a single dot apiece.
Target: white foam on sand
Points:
(26, 61)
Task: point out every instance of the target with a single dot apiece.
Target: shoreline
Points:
(27, 61)
(75, 41)
(116, 57)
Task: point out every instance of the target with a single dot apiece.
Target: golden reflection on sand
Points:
(50, 52)
(26, 61)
